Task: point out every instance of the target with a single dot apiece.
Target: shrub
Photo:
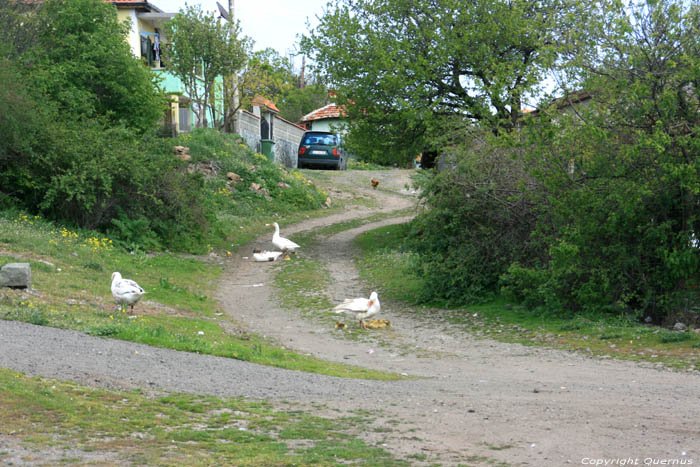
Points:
(478, 221)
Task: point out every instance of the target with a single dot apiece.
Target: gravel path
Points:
(476, 401)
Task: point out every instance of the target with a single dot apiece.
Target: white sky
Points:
(270, 23)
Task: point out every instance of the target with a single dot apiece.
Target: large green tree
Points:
(81, 60)
(403, 65)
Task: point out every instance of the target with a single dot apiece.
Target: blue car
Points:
(321, 149)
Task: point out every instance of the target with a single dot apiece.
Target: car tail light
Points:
(302, 150)
(335, 152)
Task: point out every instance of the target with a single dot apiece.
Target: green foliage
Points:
(403, 65)
(478, 221)
(295, 102)
(620, 177)
(589, 207)
(82, 64)
(135, 233)
(201, 51)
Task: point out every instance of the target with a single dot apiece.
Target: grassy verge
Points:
(71, 274)
(354, 164)
(73, 424)
(383, 261)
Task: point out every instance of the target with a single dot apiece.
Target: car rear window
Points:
(328, 140)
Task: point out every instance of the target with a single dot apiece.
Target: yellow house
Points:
(146, 39)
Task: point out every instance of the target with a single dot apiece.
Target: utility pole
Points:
(234, 77)
(302, 81)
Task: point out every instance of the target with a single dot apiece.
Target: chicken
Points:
(374, 183)
(378, 324)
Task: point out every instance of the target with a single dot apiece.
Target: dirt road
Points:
(474, 402)
(478, 401)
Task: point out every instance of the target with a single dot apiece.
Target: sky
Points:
(270, 23)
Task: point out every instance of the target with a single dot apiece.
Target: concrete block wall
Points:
(249, 129)
(285, 134)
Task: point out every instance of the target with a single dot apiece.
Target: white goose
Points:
(262, 256)
(284, 244)
(125, 291)
(362, 308)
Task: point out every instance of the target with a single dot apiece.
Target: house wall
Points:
(327, 124)
(133, 39)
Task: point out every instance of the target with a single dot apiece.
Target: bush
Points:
(621, 180)
(478, 221)
(77, 123)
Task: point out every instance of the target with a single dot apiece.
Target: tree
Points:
(621, 177)
(270, 75)
(406, 64)
(295, 102)
(201, 51)
(90, 71)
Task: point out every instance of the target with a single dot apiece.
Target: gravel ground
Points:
(476, 402)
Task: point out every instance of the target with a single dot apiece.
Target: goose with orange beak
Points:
(361, 308)
(286, 245)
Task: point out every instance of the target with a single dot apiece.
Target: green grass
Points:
(176, 429)
(354, 164)
(176, 313)
(384, 261)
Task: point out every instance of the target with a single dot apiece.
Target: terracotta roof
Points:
(329, 111)
(264, 102)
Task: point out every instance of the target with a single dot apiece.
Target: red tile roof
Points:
(263, 102)
(329, 111)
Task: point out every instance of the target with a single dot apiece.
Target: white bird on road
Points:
(262, 256)
(284, 244)
(125, 291)
(362, 308)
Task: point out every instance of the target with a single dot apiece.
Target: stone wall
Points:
(286, 136)
(249, 129)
